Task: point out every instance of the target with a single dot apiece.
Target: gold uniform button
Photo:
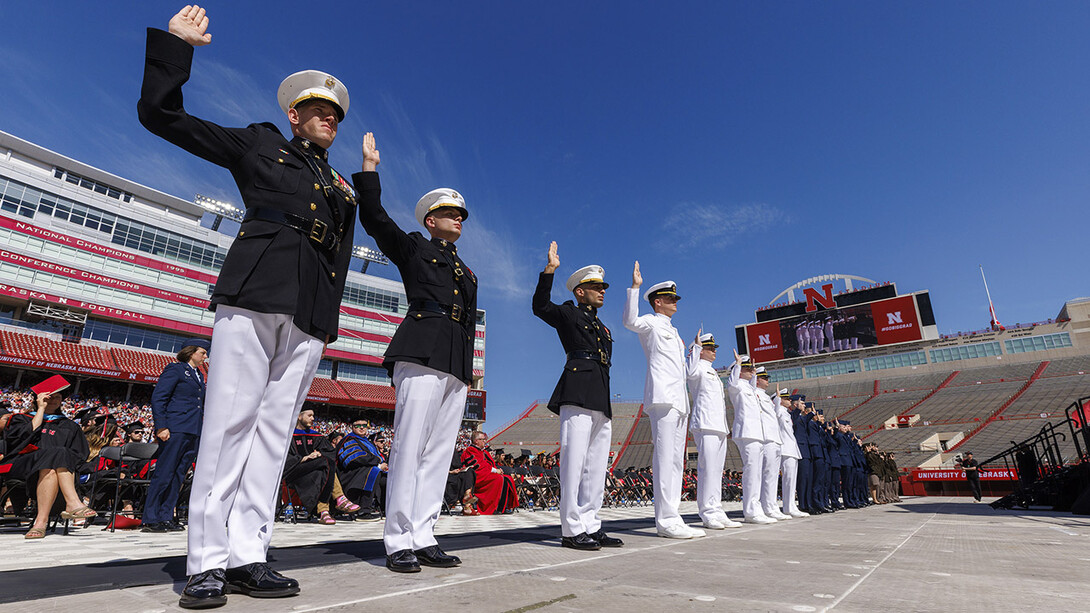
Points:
(243, 233)
(333, 274)
(455, 292)
(457, 263)
(316, 186)
(434, 261)
(418, 315)
(313, 207)
(281, 160)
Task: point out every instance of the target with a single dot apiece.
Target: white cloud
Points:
(714, 226)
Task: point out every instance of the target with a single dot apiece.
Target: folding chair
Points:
(126, 455)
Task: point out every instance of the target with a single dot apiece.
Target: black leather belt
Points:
(316, 230)
(454, 311)
(596, 356)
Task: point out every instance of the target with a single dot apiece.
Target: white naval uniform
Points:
(750, 437)
(708, 424)
(666, 403)
(770, 471)
(430, 405)
(789, 457)
(257, 382)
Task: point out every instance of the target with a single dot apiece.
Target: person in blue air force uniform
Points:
(177, 407)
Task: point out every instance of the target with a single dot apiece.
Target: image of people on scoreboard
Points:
(828, 331)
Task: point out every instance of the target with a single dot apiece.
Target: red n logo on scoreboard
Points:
(825, 300)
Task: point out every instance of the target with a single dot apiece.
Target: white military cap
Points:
(785, 393)
(761, 372)
(707, 340)
(310, 84)
(666, 288)
(587, 274)
(437, 199)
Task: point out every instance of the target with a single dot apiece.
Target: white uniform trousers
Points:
(712, 449)
(584, 455)
(667, 464)
(770, 478)
(260, 370)
(790, 469)
(753, 459)
(430, 406)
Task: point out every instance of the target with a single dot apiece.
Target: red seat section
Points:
(40, 348)
(370, 394)
(151, 364)
(327, 388)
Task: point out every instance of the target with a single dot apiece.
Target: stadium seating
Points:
(371, 394)
(538, 430)
(327, 388)
(142, 362)
(34, 347)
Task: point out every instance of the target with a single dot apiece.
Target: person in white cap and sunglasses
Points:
(708, 424)
(790, 453)
(277, 301)
(664, 397)
(770, 423)
(750, 435)
(581, 398)
(430, 359)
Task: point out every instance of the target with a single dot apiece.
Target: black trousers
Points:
(974, 484)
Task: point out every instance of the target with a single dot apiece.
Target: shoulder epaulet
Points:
(269, 126)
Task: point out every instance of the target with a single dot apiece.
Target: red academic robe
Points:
(496, 492)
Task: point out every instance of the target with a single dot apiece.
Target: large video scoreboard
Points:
(827, 324)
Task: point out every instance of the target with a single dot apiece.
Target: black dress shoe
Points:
(583, 542)
(605, 540)
(403, 561)
(433, 556)
(260, 581)
(160, 527)
(175, 526)
(204, 590)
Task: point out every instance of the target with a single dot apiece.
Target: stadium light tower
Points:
(220, 209)
(368, 255)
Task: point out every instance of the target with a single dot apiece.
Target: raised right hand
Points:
(553, 259)
(190, 25)
(371, 158)
(637, 278)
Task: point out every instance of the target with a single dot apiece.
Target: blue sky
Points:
(735, 148)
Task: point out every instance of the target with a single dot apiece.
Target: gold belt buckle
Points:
(318, 230)
(456, 312)
(602, 357)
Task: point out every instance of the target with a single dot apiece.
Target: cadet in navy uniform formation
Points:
(581, 398)
(790, 455)
(664, 397)
(708, 425)
(770, 450)
(177, 408)
(430, 359)
(276, 300)
(751, 435)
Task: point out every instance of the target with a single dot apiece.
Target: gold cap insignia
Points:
(329, 81)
